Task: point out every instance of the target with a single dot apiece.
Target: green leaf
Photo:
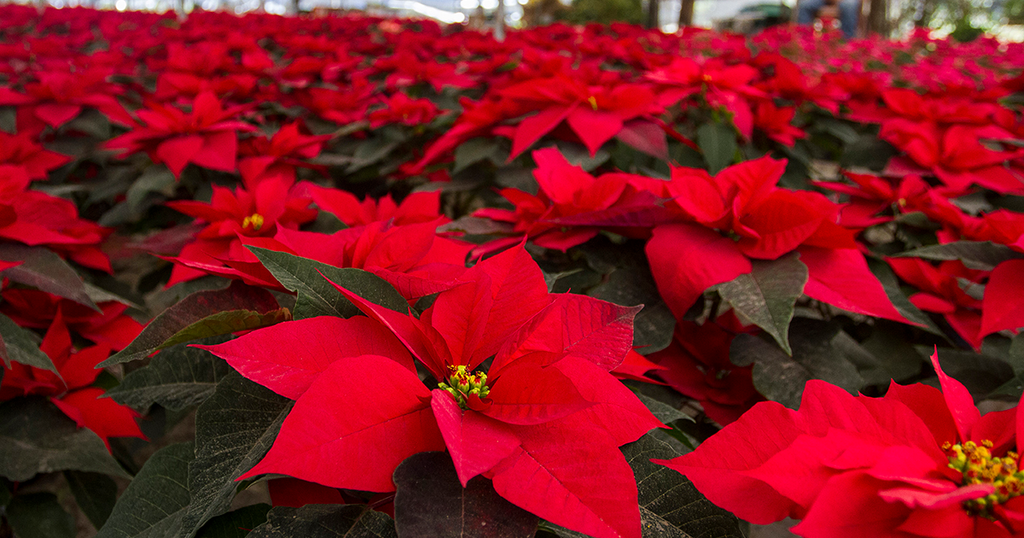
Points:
(237, 523)
(718, 143)
(867, 152)
(669, 504)
(187, 318)
(22, 346)
(891, 285)
(326, 520)
(781, 378)
(981, 373)
(983, 255)
(430, 501)
(234, 430)
(767, 295)
(628, 282)
(316, 296)
(1015, 358)
(39, 515)
(663, 402)
(228, 322)
(155, 501)
(95, 494)
(36, 437)
(42, 269)
(154, 181)
(177, 378)
(475, 150)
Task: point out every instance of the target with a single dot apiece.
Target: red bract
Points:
(571, 206)
(279, 156)
(727, 86)
(36, 218)
(272, 204)
(71, 392)
(399, 108)
(417, 207)
(697, 365)
(941, 292)
(59, 97)
(205, 136)
(544, 423)
(594, 112)
(37, 309)
(918, 462)
(20, 156)
(740, 215)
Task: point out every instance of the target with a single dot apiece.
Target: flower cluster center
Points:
(461, 383)
(253, 222)
(978, 466)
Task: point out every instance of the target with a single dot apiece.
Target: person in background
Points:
(848, 16)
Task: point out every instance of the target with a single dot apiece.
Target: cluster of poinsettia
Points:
(543, 422)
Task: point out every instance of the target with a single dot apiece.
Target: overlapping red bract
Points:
(858, 466)
(547, 434)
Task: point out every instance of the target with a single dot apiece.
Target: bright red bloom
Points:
(37, 309)
(740, 215)
(399, 108)
(59, 97)
(697, 365)
(544, 423)
(271, 204)
(941, 293)
(20, 156)
(71, 392)
(278, 156)
(727, 86)
(205, 136)
(918, 462)
(36, 218)
(417, 207)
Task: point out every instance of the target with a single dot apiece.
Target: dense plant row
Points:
(393, 271)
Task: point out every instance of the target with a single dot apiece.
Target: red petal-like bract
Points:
(1003, 307)
(287, 357)
(357, 421)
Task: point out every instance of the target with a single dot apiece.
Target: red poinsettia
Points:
(918, 462)
(21, 156)
(37, 309)
(697, 365)
(740, 214)
(58, 97)
(400, 108)
(205, 136)
(35, 218)
(417, 207)
(278, 156)
(941, 292)
(271, 204)
(70, 391)
(544, 423)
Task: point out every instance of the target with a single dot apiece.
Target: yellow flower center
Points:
(978, 466)
(254, 222)
(593, 102)
(461, 383)
(706, 78)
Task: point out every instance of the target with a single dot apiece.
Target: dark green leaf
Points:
(980, 373)
(867, 152)
(430, 501)
(95, 494)
(578, 155)
(228, 322)
(35, 437)
(237, 523)
(767, 295)
(154, 181)
(628, 282)
(21, 346)
(718, 142)
(45, 270)
(153, 504)
(177, 378)
(891, 285)
(234, 430)
(189, 312)
(316, 296)
(661, 410)
(781, 378)
(669, 504)
(983, 255)
(325, 520)
(894, 355)
(1015, 358)
(39, 515)
(473, 151)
